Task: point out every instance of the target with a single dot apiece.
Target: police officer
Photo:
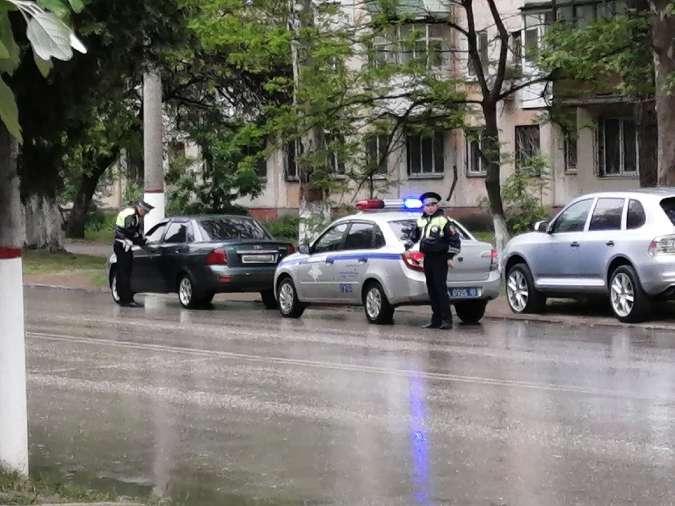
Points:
(437, 238)
(128, 231)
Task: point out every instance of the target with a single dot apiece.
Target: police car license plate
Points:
(464, 293)
(258, 259)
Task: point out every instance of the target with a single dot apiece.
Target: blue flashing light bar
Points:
(411, 203)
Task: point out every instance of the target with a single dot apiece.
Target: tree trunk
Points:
(13, 415)
(85, 194)
(492, 155)
(663, 44)
(153, 147)
(44, 223)
(647, 142)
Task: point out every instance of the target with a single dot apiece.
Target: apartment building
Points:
(599, 151)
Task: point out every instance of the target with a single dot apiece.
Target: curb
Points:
(572, 321)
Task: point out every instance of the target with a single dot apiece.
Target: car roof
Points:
(200, 217)
(383, 216)
(639, 193)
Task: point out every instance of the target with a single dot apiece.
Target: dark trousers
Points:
(124, 265)
(436, 273)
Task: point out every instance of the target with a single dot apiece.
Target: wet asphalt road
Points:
(237, 406)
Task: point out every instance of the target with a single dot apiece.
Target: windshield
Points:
(225, 229)
(404, 227)
(668, 206)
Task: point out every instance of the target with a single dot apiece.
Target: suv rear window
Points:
(668, 206)
(225, 229)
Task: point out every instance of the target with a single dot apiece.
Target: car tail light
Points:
(664, 245)
(290, 250)
(217, 257)
(494, 261)
(414, 260)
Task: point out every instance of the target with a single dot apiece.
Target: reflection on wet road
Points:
(237, 406)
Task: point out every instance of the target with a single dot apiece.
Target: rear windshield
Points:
(668, 206)
(225, 229)
(404, 227)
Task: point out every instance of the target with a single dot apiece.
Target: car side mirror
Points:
(304, 249)
(541, 226)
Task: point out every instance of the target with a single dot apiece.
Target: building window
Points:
(527, 144)
(425, 154)
(411, 42)
(483, 43)
(384, 47)
(474, 149)
(292, 150)
(535, 25)
(376, 154)
(335, 160)
(617, 147)
(570, 136)
(517, 53)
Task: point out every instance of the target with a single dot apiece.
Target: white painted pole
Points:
(13, 408)
(153, 147)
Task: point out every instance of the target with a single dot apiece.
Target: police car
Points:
(361, 260)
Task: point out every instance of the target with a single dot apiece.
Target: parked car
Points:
(621, 244)
(200, 256)
(361, 260)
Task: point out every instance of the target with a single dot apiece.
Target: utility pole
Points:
(153, 147)
(13, 413)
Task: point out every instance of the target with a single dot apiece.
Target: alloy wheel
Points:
(185, 291)
(517, 291)
(373, 303)
(622, 294)
(286, 298)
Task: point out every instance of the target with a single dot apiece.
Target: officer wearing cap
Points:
(436, 235)
(128, 231)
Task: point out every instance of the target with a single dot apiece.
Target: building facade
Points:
(598, 149)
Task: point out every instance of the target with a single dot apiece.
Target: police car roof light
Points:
(411, 203)
(364, 205)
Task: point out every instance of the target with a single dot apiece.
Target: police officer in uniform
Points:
(437, 239)
(128, 231)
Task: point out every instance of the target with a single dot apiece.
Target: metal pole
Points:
(153, 147)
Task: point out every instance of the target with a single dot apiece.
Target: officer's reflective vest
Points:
(428, 225)
(123, 215)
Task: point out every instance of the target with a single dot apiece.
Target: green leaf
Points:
(77, 5)
(9, 63)
(56, 6)
(4, 52)
(44, 66)
(49, 37)
(9, 113)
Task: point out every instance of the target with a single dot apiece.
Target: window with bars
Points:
(527, 144)
(570, 136)
(617, 147)
(425, 154)
(376, 154)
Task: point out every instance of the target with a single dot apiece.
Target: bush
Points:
(285, 227)
(522, 194)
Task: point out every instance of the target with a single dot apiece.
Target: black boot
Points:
(432, 325)
(445, 325)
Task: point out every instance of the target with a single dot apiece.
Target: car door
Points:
(556, 256)
(351, 264)
(316, 274)
(146, 276)
(601, 241)
(175, 249)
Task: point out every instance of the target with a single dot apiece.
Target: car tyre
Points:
(521, 293)
(471, 312)
(629, 302)
(268, 299)
(113, 287)
(289, 304)
(377, 307)
(188, 295)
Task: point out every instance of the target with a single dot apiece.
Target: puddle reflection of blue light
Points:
(419, 443)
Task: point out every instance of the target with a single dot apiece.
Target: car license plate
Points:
(258, 259)
(464, 293)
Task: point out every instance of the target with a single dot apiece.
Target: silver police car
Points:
(361, 260)
(620, 244)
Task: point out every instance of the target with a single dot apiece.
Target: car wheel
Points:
(521, 294)
(289, 305)
(376, 305)
(471, 312)
(268, 299)
(113, 287)
(629, 301)
(187, 294)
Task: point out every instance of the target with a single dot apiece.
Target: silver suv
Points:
(621, 244)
